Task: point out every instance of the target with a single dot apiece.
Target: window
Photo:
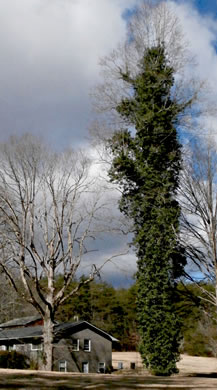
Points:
(36, 347)
(87, 345)
(3, 348)
(63, 366)
(101, 368)
(85, 367)
(12, 348)
(19, 347)
(75, 345)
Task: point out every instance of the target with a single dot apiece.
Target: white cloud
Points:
(201, 33)
(49, 58)
(50, 51)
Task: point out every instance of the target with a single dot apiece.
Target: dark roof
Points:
(60, 331)
(21, 333)
(64, 328)
(20, 321)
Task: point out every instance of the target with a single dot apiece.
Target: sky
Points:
(206, 6)
(50, 51)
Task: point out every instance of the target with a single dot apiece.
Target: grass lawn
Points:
(195, 373)
(43, 381)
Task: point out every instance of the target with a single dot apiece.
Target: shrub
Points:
(13, 359)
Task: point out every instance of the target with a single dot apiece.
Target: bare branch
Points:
(198, 198)
(50, 210)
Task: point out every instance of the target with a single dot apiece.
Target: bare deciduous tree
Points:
(207, 328)
(152, 24)
(11, 304)
(49, 213)
(198, 197)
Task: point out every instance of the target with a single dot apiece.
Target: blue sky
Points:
(203, 6)
(50, 54)
(50, 51)
(206, 6)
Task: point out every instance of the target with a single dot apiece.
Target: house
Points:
(78, 346)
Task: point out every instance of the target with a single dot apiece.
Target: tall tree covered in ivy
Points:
(146, 163)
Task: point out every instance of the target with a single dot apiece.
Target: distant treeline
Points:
(114, 310)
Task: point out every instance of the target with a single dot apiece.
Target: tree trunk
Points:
(48, 343)
(216, 286)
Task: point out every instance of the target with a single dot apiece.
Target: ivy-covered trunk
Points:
(146, 164)
(158, 322)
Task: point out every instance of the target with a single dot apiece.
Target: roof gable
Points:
(73, 327)
(17, 331)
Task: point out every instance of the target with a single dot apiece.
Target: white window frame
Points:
(89, 345)
(87, 365)
(77, 347)
(100, 366)
(16, 347)
(62, 364)
(20, 345)
(36, 347)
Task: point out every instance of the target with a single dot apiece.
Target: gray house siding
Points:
(78, 347)
(100, 352)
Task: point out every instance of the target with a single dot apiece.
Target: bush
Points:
(13, 359)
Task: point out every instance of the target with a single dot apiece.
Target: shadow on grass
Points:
(116, 382)
(204, 375)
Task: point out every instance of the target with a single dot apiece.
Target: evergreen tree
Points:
(78, 305)
(146, 163)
